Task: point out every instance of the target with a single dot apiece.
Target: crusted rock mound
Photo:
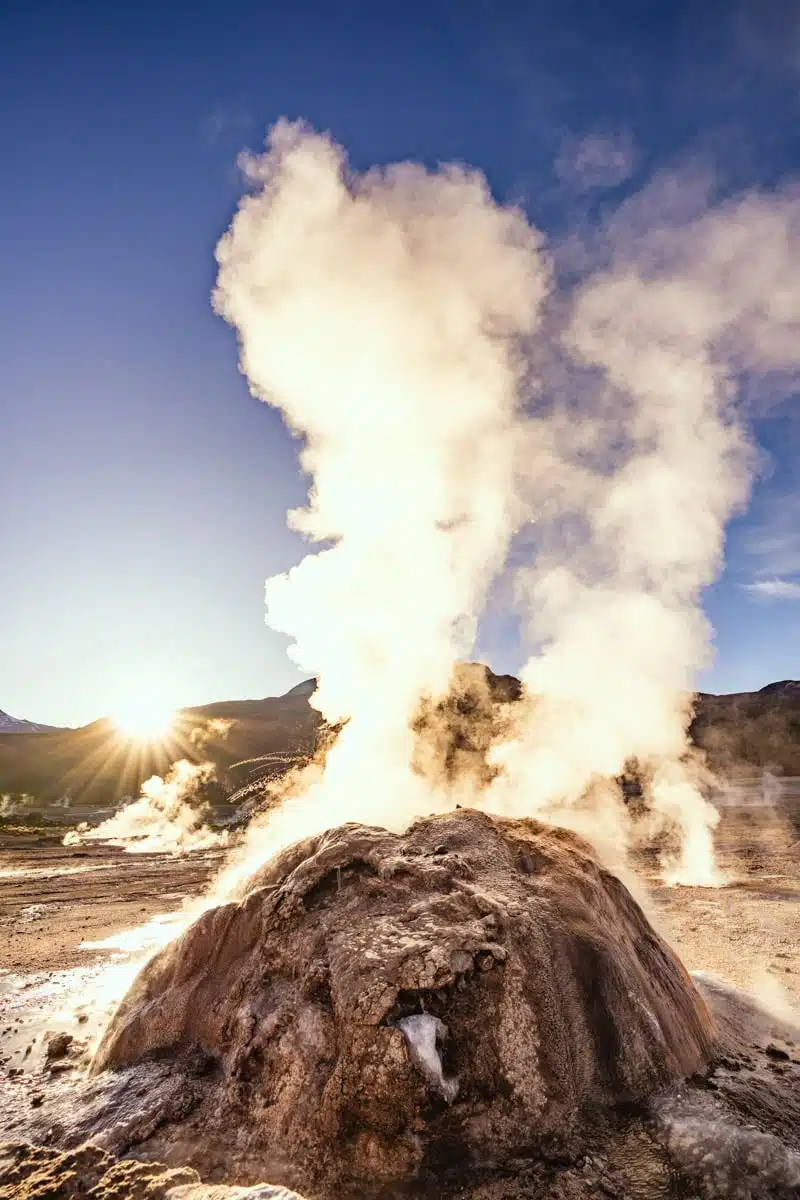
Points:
(378, 1005)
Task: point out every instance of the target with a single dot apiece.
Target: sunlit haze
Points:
(142, 718)
(144, 490)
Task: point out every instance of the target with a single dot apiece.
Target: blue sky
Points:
(143, 491)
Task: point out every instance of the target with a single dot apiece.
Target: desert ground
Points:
(64, 916)
(77, 922)
(747, 932)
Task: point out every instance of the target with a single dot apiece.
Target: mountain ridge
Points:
(9, 724)
(251, 740)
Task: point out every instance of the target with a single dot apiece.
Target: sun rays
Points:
(143, 719)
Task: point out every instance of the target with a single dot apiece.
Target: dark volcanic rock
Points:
(381, 1005)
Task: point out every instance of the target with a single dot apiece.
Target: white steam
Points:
(215, 729)
(653, 464)
(384, 315)
(163, 820)
(14, 803)
(9, 805)
(449, 394)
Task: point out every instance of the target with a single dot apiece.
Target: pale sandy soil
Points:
(747, 932)
(53, 898)
(66, 919)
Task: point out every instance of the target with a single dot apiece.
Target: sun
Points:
(143, 719)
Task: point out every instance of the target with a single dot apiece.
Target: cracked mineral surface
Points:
(554, 1000)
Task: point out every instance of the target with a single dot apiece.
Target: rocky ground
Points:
(64, 919)
(747, 932)
(54, 897)
(42, 1173)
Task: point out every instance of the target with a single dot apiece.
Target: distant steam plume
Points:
(449, 394)
(162, 820)
(384, 315)
(9, 806)
(12, 804)
(215, 729)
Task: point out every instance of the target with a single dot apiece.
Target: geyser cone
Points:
(538, 989)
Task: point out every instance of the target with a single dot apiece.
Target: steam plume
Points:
(8, 806)
(646, 475)
(161, 820)
(12, 804)
(383, 314)
(214, 729)
(447, 392)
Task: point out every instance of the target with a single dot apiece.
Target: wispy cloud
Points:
(224, 125)
(774, 589)
(774, 544)
(781, 549)
(596, 161)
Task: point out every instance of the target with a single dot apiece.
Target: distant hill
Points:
(95, 765)
(251, 740)
(9, 724)
(751, 729)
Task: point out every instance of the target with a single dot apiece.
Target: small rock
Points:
(775, 1052)
(460, 960)
(730, 1064)
(58, 1045)
(37, 1100)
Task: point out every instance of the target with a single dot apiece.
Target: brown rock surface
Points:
(538, 993)
(42, 1173)
(39, 1173)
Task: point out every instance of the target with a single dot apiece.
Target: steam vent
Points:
(380, 1005)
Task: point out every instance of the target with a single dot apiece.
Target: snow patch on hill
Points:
(9, 724)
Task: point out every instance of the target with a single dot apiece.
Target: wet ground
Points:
(55, 898)
(75, 924)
